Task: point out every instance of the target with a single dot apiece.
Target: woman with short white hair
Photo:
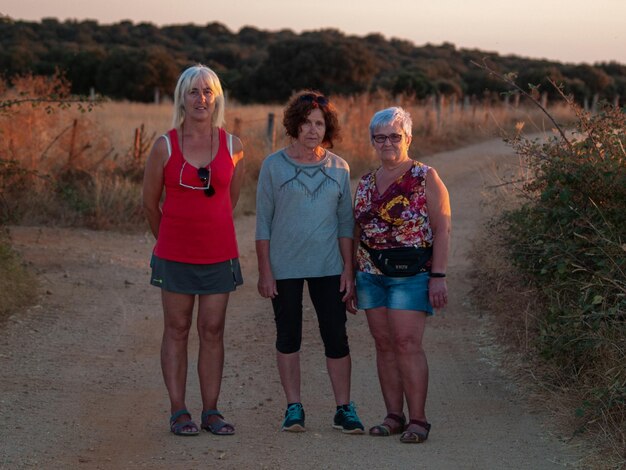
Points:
(402, 233)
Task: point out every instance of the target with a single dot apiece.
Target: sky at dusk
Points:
(561, 30)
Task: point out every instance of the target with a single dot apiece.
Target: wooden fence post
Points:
(271, 132)
(137, 144)
(72, 153)
(439, 104)
(426, 119)
(594, 103)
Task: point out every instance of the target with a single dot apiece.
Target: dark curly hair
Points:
(300, 106)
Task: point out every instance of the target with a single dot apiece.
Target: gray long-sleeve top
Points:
(302, 209)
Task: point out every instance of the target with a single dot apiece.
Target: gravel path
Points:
(81, 386)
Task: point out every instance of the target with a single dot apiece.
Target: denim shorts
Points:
(398, 293)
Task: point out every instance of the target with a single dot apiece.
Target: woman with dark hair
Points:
(200, 167)
(304, 233)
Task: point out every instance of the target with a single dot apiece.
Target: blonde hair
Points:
(186, 81)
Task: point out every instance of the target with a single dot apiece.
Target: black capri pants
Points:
(330, 310)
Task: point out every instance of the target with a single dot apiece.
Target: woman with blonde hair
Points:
(199, 166)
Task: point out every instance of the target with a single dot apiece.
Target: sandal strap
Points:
(397, 418)
(382, 429)
(387, 430)
(217, 426)
(184, 424)
(178, 414)
(423, 424)
(207, 413)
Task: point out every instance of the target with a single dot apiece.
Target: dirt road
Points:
(81, 387)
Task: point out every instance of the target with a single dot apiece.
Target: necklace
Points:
(393, 171)
(383, 178)
(182, 144)
(394, 168)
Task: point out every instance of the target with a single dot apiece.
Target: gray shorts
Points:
(196, 279)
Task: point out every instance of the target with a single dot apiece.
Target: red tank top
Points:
(195, 228)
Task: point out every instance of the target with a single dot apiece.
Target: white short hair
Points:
(392, 116)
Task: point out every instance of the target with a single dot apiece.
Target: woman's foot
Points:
(393, 424)
(294, 418)
(347, 420)
(213, 421)
(416, 432)
(182, 425)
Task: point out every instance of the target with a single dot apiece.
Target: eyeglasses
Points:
(204, 174)
(320, 100)
(382, 138)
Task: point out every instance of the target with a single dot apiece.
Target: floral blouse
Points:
(396, 218)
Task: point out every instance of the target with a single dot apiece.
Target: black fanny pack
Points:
(400, 262)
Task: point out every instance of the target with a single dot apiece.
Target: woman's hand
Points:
(267, 286)
(440, 224)
(351, 303)
(346, 282)
(438, 292)
(346, 285)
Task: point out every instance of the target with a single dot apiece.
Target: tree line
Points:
(134, 61)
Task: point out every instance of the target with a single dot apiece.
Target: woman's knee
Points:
(178, 329)
(407, 344)
(288, 344)
(335, 344)
(337, 352)
(382, 340)
(211, 331)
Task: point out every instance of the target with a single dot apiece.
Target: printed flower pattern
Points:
(398, 217)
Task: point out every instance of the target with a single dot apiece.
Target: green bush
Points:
(570, 236)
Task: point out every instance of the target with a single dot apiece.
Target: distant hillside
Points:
(132, 61)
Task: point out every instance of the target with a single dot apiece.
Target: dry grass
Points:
(513, 305)
(78, 159)
(19, 286)
(435, 129)
(117, 121)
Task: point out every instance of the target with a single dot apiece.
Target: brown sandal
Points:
(415, 437)
(384, 430)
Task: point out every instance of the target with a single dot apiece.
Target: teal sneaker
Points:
(294, 418)
(347, 420)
